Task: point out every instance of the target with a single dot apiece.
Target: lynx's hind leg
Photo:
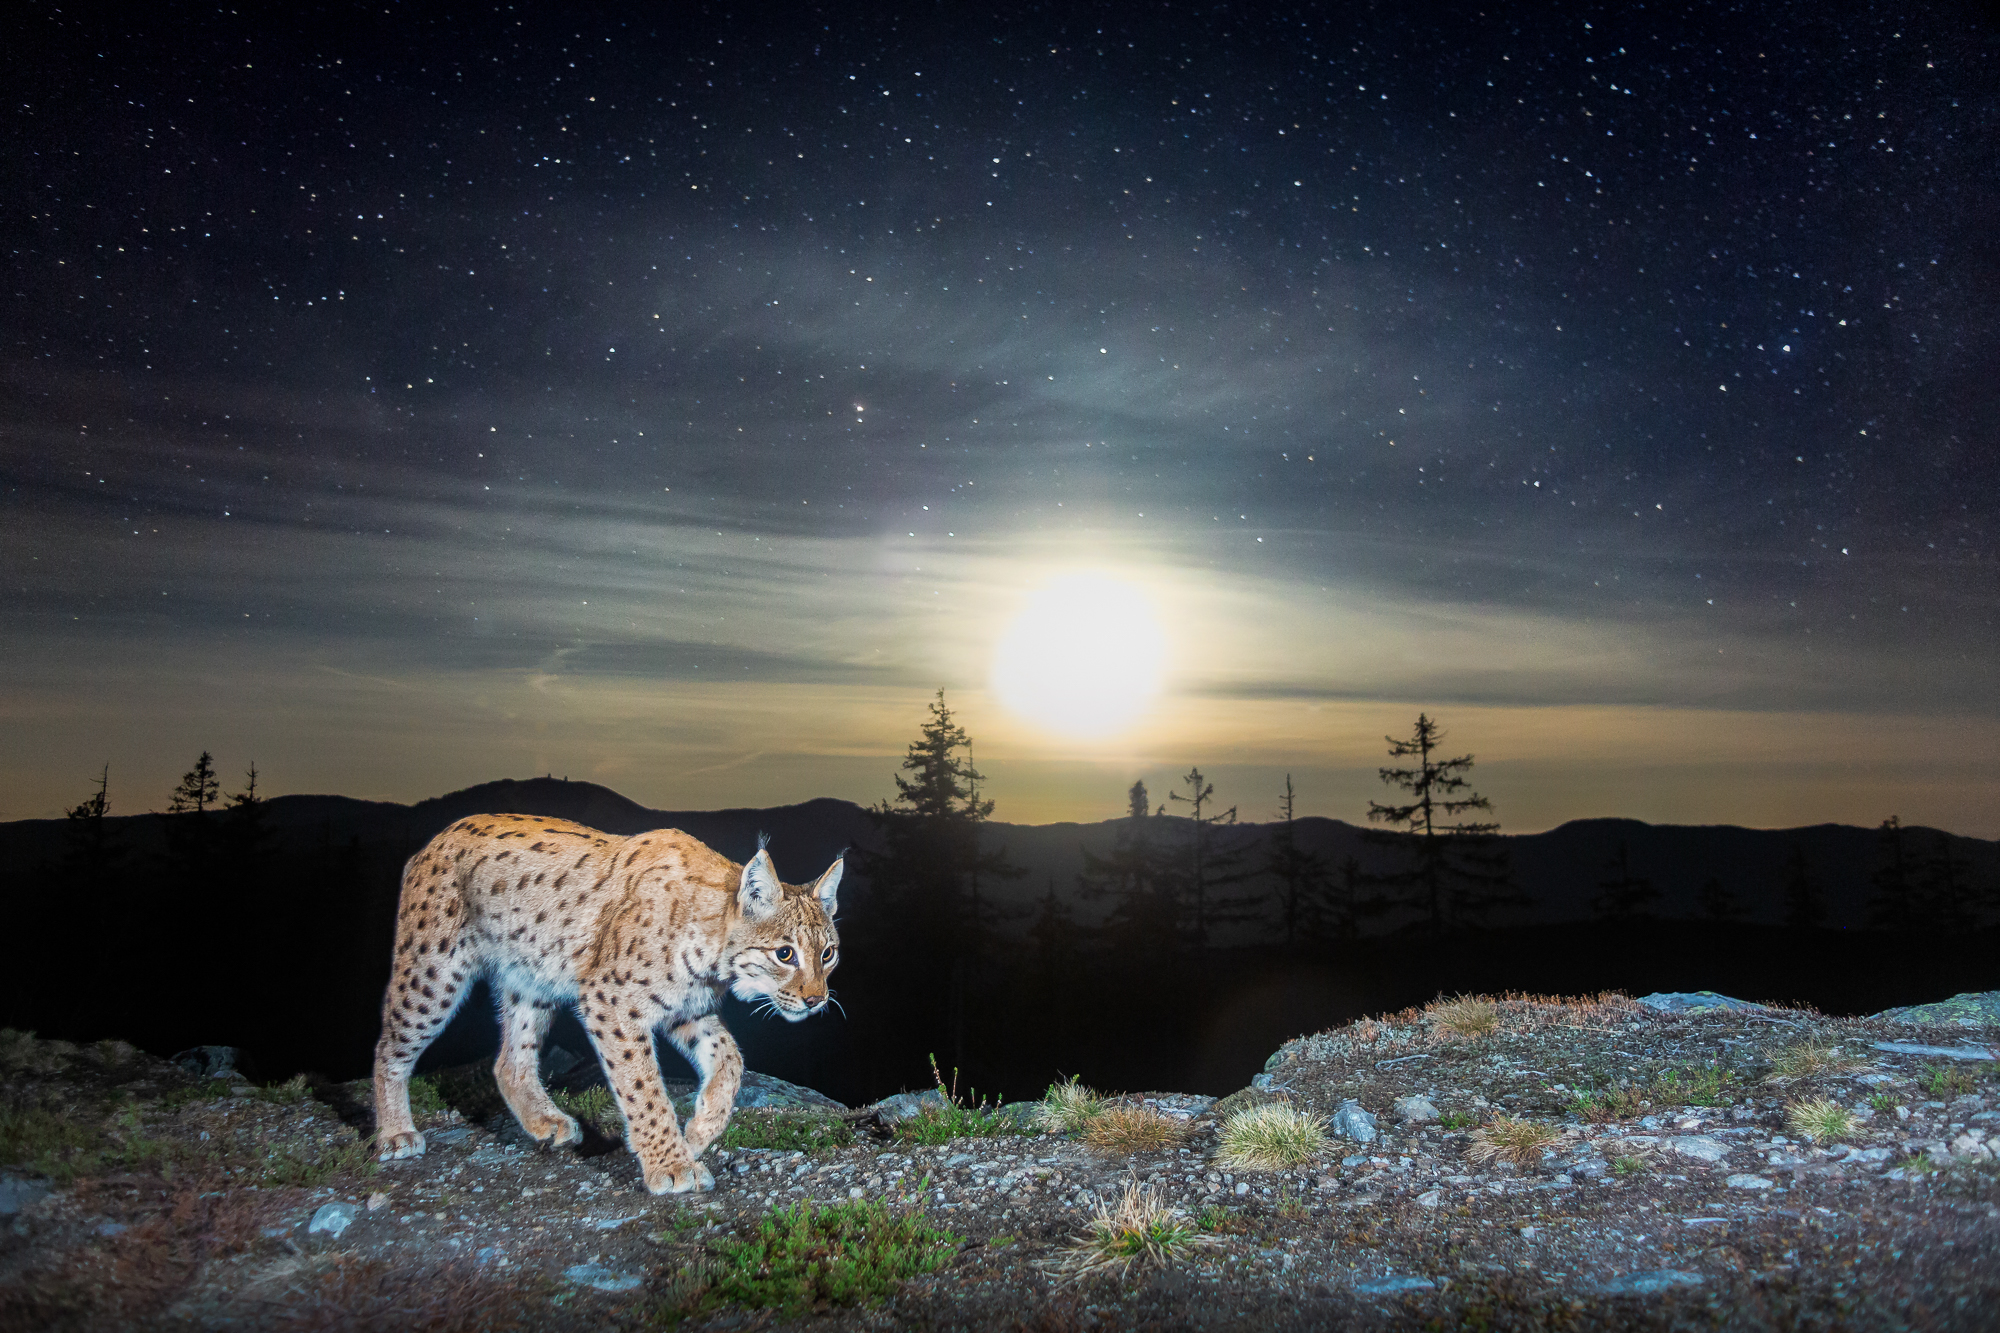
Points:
(524, 1021)
(429, 976)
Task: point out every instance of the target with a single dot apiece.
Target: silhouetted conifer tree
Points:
(1457, 871)
(1135, 877)
(1209, 864)
(1625, 895)
(1948, 896)
(198, 790)
(926, 877)
(1804, 905)
(1894, 906)
(90, 852)
(1717, 903)
(1308, 907)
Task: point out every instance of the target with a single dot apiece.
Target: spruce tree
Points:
(1209, 864)
(90, 853)
(1625, 895)
(1307, 905)
(1948, 895)
(1717, 903)
(1805, 908)
(1894, 905)
(1456, 870)
(928, 874)
(1135, 877)
(198, 789)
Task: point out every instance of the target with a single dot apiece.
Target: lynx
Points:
(637, 932)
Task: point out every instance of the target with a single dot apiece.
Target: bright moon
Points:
(1084, 658)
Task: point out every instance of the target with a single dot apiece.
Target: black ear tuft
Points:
(763, 840)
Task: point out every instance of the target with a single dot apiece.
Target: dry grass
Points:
(1511, 1139)
(1139, 1231)
(1819, 1119)
(1126, 1128)
(1463, 1016)
(1068, 1108)
(1271, 1138)
(1808, 1058)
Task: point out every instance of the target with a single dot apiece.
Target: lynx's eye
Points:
(787, 956)
(826, 954)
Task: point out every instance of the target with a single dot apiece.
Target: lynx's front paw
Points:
(409, 1143)
(687, 1178)
(555, 1130)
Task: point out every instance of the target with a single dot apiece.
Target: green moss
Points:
(793, 1131)
(811, 1257)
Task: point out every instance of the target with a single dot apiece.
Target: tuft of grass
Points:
(54, 1145)
(1806, 1059)
(1512, 1139)
(1881, 1103)
(1068, 1108)
(1627, 1164)
(954, 1118)
(312, 1169)
(1603, 1105)
(425, 1098)
(810, 1256)
(1464, 1015)
(208, 1090)
(1455, 1120)
(1126, 1128)
(595, 1106)
(1139, 1231)
(1819, 1119)
(793, 1131)
(1271, 1138)
(1946, 1081)
(1219, 1221)
(1703, 1085)
(292, 1091)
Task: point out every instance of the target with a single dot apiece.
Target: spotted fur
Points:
(638, 933)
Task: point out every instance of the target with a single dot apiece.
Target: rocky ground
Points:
(1662, 1180)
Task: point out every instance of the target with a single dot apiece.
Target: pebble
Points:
(1389, 1286)
(1352, 1122)
(332, 1218)
(601, 1278)
(1645, 1284)
(1749, 1182)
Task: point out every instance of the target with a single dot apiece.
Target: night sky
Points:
(403, 397)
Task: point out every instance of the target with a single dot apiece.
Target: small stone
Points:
(1528, 1233)
(378, 1200)
(1748, 1182)
(1389, 1286)
(18, 1191)
(1352, 1122)
(1415, 1110)
(1647, 1283)
(1242, 1188)
(1431, 1198)
(332, 1219)
(209, 1061)
(601, 1278)
(1699, 1147)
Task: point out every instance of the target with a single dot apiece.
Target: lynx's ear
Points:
(827, 888)
(760, 893)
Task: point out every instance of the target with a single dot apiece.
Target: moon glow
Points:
(1085, 657)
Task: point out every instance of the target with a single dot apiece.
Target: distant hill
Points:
(1560, 870)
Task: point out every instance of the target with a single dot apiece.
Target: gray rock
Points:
(1748, 1182)
(449, 1134)
(1688, 1002)
(1649, 1283)
(332, 1219)
(903, 1105)
(18, 1191)
(1699, 1146)
(1351, 1122)
(1415, 1110)
(1937, 1052)
(1389, 1286)
(1970, 1009)
(1277, 1058)
(210, 1061)
(601, 1278)
(761, 1090)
